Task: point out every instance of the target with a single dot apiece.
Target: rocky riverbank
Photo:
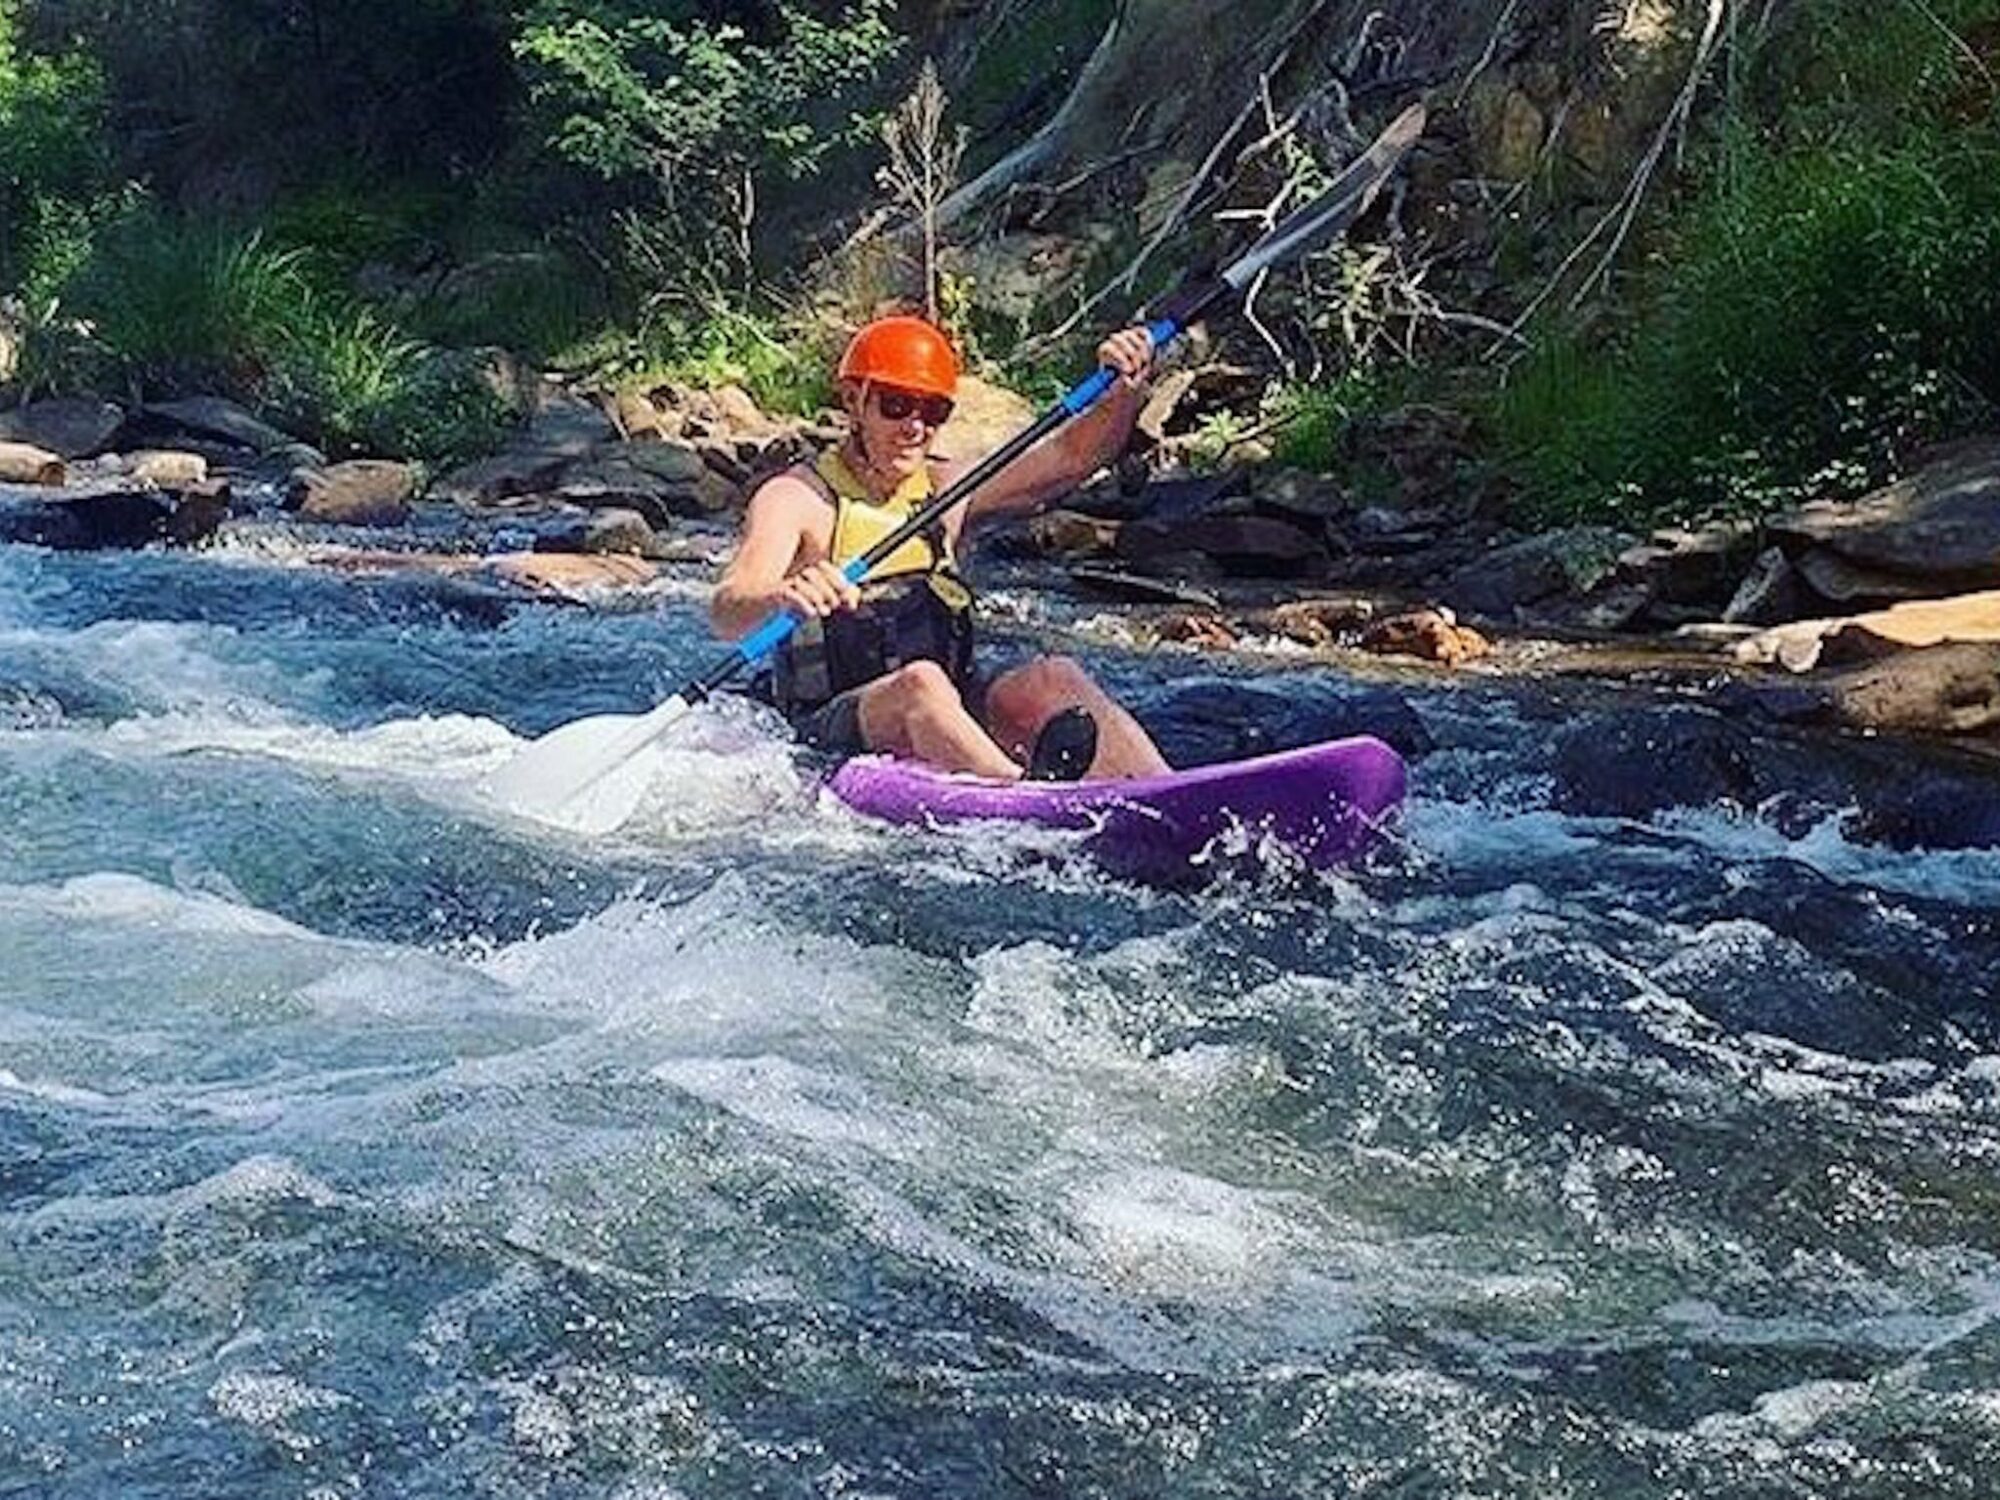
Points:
(1881, 615)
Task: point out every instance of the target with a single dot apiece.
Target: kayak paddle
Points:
(591, 774)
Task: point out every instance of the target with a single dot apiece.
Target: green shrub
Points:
(781, 359)
(53, 156)
(155, 304)
(1825, 302)
(688, 118)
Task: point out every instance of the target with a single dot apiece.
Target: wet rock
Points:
(1296, 495)
(1065, 533)
(1427, 634)
(1244, 545)
(68, 426)
(1615, 605)
(568, 427)
(572, 576)
(1769, 592)
(214, 418)
(1803, 644)
(1635, 765)
(198, 511)
(617, 530)
(1196, 627)
(1314, 622)
(620, 481)
(1941, 524)
(1949, 689)
(165, 468)
(1841, 582)
(1379, 531)
(676, 464)
(1700, 567)
(1221, 719)
(23, 463)
(637, 417)
(114, 518)
(360, 492)
(504, 476)
(1530, 572)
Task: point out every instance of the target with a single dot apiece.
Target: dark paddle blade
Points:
(1336, 208)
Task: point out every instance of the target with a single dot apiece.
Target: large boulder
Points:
(1946, 689)
(1536, 571)
(360, 492)
(68, 426)
(1694, 569)
(568, 427)
(616, 530)
(212, 418)
(1940, 525)
(1241, 544)
(502, 477)
(113, 518)
(983, 417)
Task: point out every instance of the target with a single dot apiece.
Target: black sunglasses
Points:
(899, 406)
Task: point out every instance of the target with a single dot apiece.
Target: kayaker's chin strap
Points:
(563, 766)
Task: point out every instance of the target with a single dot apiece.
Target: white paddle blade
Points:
(588, 775)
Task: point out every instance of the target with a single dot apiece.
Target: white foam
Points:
(268, 1401)
(128, 900)
(53, 1093)
(1962, 877)
(1165, 1228)
(822, 1108)
(1789, 1413)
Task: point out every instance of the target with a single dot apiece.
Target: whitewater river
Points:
(358, 1140)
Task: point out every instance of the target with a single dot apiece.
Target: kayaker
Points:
(889, 666)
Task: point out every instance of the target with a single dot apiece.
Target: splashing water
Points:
(357, 1138)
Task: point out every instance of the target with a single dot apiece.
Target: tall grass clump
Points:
(1824, 303)
(155, 304)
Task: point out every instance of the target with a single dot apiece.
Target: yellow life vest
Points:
(914, 606)
(860, 521)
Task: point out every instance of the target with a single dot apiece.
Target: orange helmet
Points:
(904, 352)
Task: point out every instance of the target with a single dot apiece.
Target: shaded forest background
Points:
(1655, 258)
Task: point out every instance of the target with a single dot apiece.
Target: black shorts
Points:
(834, 728)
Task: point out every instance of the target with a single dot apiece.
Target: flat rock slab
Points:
(1801, 645)
(1943, 522)
(560, 575)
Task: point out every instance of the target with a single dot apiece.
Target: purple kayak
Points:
(1323, 803)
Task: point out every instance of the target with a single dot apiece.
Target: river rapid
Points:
(357, 1139)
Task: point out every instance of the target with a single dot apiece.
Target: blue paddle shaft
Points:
(1089, 391)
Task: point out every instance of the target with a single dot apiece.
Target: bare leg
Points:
(1020, 702)
(915, 711)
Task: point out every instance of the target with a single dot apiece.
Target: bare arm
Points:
(1078, 449)
(765, 575)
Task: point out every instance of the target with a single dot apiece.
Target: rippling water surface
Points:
(356, 1140)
